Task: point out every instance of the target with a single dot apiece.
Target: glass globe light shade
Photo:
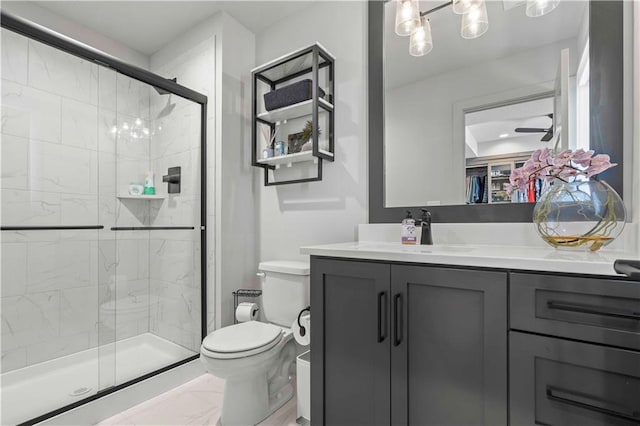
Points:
(407, 16)
(475, 22)
(536, 8)
(421, 42)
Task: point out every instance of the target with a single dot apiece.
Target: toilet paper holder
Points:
(243, 292)
(303, 330)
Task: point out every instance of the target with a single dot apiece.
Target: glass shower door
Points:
(175, 279)
(157, 292)
(54, 255)
(99, 285)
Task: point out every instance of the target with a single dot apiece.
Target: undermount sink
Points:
(405, 248)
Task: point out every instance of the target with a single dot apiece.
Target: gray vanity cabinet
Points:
(562, 382)
(604, 311)
(449, 346)
(407, 345)
(350, 381)
(573, 350)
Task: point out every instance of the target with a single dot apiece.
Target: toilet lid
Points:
(242, 337)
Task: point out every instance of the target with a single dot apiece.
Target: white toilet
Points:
(255, 357)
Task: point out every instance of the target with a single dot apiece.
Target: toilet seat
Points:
(241, 340)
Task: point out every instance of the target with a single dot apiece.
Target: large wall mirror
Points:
(447, 127)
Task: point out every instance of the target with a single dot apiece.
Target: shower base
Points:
(40, 388)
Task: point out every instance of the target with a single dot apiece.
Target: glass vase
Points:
(579, 215)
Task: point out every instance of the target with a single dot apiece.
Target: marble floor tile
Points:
(198, 402)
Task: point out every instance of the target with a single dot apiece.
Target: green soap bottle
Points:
(149, 187)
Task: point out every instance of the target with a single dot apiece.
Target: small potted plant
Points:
(306, 135)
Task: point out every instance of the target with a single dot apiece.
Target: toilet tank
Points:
(285, 290)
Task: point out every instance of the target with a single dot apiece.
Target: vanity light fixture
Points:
(421, 43)
(461, 7)
(475, 20)
(407, 17)
(536, 8)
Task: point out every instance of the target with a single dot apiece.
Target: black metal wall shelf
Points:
(306, 62)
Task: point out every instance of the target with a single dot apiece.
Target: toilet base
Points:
(257, 402)
(253, 396)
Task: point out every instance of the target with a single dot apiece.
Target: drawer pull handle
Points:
(397, 319)
(382, 324)
(630, 268)
(552, 396)
(595, 310)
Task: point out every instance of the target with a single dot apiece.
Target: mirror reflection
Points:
(466, 103)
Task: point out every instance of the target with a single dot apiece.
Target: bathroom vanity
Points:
(426, 336)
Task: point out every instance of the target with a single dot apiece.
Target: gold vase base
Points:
(596, 241)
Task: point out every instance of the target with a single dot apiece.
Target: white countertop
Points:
(487, 256)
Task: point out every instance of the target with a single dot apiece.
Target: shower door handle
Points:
(51, 228)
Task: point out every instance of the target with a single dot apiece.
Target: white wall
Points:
(328, 211)
(635, 141)
(511, 146)
(62, 25)
(236, 190)
(419, 145)
(215, 58)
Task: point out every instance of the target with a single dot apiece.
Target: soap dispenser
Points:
(409, 232)
(425, 237)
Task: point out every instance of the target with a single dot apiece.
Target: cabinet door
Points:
(350, 358)
(449, 346)
(562, 382)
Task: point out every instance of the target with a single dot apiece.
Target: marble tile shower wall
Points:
(175, 255)
(194, 68)
(65, 156)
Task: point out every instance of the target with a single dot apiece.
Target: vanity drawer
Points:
(590, 309)
(560, 382)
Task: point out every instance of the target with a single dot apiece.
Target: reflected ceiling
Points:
(451, 51)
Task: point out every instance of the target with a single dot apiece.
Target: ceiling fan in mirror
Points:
(548, 132)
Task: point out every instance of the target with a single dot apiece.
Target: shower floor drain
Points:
(80, 391)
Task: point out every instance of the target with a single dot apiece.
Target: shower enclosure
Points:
(99, 288)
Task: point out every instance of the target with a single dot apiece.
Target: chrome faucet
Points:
(426, 238)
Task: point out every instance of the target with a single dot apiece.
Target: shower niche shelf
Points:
(141, 197)
(308, 119)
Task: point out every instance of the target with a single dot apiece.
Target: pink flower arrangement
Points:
(565, 165)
